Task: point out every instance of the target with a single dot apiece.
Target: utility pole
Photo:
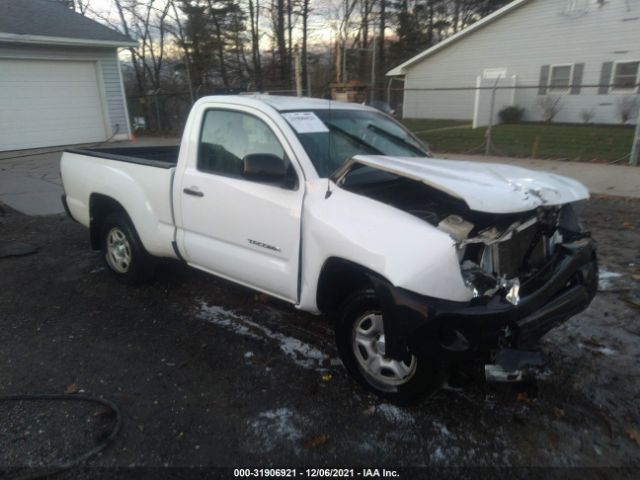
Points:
(338, 63)
(372, 97)
(344, 61)
(635, 149)
(298, 70)
(487, 150)
(158, 122)
(188, 69)
(187, 64)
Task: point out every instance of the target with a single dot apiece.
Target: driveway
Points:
(30, 179)
(207, 373)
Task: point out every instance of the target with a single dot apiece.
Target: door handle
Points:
(193, 191)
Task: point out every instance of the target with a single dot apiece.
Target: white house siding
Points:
(107, 60)
(535, 34)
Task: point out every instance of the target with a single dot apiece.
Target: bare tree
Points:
(80, 6)
(278, 11)
(209, 42)
(147, 22)
(306, 11)
(381, 63)
(254, 25)
(550, 107)
(177, 29)
(587, 114)
(627, 108)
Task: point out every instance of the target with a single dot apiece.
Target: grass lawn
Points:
(571, 142)
(420, 124)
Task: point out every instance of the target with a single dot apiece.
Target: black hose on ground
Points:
(85, 456)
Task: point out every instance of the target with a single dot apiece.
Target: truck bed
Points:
(139, 179)
(159, 157)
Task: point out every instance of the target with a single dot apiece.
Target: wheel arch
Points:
(100, 207)
(338, 279)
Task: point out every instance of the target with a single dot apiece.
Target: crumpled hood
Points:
(485, 187)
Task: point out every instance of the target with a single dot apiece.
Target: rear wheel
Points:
(123, 252)
(362, 347)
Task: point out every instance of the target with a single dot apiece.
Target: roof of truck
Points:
(284, 103)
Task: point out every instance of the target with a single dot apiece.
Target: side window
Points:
(625, 76)
(560, 78)
(227, 137)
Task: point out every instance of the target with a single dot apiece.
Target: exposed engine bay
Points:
(498, 253)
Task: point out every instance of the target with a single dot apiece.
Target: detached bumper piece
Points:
(562, 288)
(513, 366)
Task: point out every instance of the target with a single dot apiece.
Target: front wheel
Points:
(123, 251)
(361, 344)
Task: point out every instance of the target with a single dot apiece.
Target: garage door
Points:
(49, 103)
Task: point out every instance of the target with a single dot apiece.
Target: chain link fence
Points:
(495, 117)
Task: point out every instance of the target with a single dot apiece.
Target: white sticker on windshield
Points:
(305, 122)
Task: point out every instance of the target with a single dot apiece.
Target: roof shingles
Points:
(48, 18)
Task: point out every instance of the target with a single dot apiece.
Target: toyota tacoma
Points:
(336, 208)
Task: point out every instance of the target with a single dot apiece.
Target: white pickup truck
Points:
(338, 209)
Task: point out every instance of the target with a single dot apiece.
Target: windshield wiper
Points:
(396, 139)
(353, 137)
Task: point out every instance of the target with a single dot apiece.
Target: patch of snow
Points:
(275, 429)
(438, 456)
(605, 278)
(225, 318)
(394, 414)
(608, 351)
(442, 428)
(248, 355)
(301, 353)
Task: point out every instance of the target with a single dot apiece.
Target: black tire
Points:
(421, 378)
(134, 265)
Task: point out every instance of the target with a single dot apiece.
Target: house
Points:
(581, 55)
(60, 80)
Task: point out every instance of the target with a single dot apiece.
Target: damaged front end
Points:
(523, 256)
(527, 275)
(500, 259)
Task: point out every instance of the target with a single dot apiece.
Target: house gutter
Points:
(64, 41)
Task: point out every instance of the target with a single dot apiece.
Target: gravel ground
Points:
(207, 373)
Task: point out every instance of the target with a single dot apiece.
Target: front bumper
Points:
(560, 290)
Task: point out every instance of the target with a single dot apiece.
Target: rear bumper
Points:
(563, 288)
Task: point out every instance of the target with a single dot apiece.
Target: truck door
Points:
(245, 230)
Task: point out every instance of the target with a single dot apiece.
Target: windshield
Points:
(330, 137)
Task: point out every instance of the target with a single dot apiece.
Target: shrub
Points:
(587, 115)
(627, 108)
(511, 114)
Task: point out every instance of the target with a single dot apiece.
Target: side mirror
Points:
(264, 167)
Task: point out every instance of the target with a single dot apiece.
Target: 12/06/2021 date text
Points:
(315, 473)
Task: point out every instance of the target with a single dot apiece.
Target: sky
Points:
(325, 15)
